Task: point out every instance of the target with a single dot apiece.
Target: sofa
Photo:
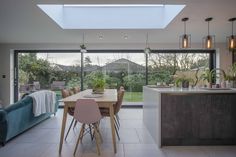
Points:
(18, 117)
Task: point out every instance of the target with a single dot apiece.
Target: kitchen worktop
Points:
(192, 90)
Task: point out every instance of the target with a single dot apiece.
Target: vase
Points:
(223, 84)
(185, 84)
(98, 90)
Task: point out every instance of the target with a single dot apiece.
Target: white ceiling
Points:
(21, 21)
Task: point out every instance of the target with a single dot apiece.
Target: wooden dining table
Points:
(105, 100)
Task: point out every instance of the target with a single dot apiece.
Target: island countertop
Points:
(191, 90)
(194, 116)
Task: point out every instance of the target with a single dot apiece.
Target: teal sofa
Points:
(18, 117)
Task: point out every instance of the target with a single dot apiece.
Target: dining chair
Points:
(76, 90)
(117, 107)
(71, 91)
(87, 112)
(65, 93)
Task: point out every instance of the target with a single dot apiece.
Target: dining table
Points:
(104, 100)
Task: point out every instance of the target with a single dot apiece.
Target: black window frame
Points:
(212, 59)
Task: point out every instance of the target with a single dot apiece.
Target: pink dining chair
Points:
(87, 112)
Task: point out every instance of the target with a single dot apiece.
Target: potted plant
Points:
(231, 77)
(98, 85)
(207, 77)
(183, 82)
(97, 82)
(214, 75)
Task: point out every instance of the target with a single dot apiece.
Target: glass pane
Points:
(51, 71)
(119, 69)
(165, 68)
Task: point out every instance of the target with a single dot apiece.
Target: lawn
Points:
(133, 97)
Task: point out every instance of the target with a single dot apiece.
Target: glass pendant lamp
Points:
(231, 40)
(185, 39)
(209, 40)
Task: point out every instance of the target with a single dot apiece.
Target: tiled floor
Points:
(43, 141)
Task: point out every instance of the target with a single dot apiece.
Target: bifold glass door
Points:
(51, 71)
(54, 70)
(120, 69)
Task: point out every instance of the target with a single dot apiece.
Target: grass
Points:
(133, 97)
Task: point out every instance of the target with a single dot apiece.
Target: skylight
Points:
(112, 16)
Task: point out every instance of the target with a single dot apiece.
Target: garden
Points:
(161, 68)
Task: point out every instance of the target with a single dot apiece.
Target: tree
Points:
(163, 66)
(134, 82)
(36, 69)
(87, 61)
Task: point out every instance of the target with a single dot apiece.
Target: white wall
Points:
(6, 58)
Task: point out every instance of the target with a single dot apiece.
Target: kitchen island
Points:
(175, 116)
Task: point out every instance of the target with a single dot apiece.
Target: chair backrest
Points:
(71, 92)
(76, 89)
(87, 111)
(64, 93)
(120, 96)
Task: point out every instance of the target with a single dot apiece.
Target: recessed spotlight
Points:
(100, 37)
(125, 37)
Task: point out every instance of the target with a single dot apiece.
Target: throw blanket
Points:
(43, 102)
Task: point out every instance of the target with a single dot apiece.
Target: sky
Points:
(96, 58)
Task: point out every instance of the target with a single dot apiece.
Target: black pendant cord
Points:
(147, 45)
(184, 20)
(232, 28)
(208, 24)
(232, 20)
(208, 28)
(83, 38)
(184, 27)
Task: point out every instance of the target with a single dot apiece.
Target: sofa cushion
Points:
(3, 115)
(19, 104)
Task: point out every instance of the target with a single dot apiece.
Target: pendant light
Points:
(209, 40)
(147, 49)
(231, 40)
(185, 39)
(82, 47)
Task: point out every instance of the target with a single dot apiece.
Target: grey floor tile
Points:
(43, 141)
(142, 150)
(24, 150)
(220, 151)
(144, 136)
(184, 151)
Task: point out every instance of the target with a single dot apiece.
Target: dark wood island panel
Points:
(198, 119)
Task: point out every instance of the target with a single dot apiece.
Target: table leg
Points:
(63, 127)
(112, 127)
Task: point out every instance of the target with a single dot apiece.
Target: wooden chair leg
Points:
(79, 138)
(97, 127)
(69, 128)
(97, 139)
